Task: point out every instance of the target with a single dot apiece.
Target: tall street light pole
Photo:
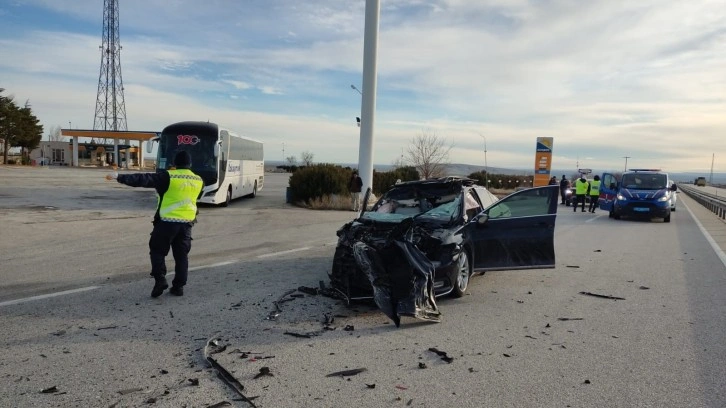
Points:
(368, 100)
(626, 162)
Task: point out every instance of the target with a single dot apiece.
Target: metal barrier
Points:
(715, 203)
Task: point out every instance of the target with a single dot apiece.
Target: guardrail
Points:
(714, 202)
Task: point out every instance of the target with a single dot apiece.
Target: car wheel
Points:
(616, 215)
(667, 218)
(610, 214)
(228, 199)
(463, 273)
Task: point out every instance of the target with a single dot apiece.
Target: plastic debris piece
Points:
(573, 266)
(602, 296)
(302, 335)
(49, 390)
(422, 365)
(347, 373)
(130, 390)
(264, 372)
(221, 404)
(193, 381)
(401, 387)
(643, 288)
(564, 319)
(59, 333)
(349, 327)
(442, 354)
(371, 386)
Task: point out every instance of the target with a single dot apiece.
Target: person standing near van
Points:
(594, 193)
(581, 189)
(176, 213)
(355, 185)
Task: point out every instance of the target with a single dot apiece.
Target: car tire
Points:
(228, 198)
(610, 214)
(463, 275)
(667, 218)
(616, 215)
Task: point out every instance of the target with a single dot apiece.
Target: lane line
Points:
(47, 296)
(289, 251)
(214, 265)
(708, 236)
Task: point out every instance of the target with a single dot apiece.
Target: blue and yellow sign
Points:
(543, 161)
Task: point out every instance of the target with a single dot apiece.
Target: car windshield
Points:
(644, 181)
(441, 203)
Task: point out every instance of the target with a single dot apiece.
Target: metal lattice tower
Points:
(110, 105)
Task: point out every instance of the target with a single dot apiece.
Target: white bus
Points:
(231, 166)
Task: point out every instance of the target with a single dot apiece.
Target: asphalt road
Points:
(521, 338)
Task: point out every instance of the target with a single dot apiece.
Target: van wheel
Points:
(228, 199)
(667, 218)
(616, 215)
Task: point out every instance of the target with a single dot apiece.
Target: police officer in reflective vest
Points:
(594, 193)
(581, 188)
(178, 190)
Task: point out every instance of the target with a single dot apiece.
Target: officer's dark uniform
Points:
(178, 191)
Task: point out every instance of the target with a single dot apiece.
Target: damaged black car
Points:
(450, 226)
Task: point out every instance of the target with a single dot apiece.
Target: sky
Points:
(605, 78)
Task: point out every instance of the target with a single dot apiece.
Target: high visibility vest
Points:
(179, 203)
(581, 187)
(595, 188)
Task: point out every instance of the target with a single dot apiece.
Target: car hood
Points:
(635, 194)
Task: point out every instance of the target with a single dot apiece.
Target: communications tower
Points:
(110, 105)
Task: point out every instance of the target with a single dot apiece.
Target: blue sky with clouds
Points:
(605, 78)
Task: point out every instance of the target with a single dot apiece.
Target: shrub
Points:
(317, 181)
(382, 181)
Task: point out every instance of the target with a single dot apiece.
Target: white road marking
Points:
(47, 296)
(710, 239)
(289, 251)
(596, 217)
(214, 265)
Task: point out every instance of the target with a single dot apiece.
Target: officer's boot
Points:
(160, 285)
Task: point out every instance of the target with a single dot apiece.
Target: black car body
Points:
(460, 227)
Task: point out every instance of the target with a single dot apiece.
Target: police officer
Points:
(581, 189)
(564, 185)
(594, 193)
(178, 190)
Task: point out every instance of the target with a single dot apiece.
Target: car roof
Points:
(441, 180)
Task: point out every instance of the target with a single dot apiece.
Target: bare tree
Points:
(429, 154)
(291, 160)
(307, 158)
(54, 135)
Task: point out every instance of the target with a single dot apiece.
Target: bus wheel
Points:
(228, 199)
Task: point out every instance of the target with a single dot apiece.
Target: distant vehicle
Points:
(674, 195)
(700, 181)
(231, 166)
(644, 193)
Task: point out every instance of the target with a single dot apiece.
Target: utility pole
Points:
(368, 103)
(283, 152)
(626, 162)
(486, 166)
(710, 178)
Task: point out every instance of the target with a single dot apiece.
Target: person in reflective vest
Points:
(594, 193)
(581, 189)
(176, 212)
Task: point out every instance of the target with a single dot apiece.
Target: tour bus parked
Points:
(231, 165)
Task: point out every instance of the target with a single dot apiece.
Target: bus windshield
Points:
(199, 141)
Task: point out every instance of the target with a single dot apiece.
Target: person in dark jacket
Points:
(564, 185)
(355, 185)
(553, 181)
(176, 212)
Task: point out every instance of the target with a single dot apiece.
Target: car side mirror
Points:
(150, 144)
(674, 187)
(482, 219)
